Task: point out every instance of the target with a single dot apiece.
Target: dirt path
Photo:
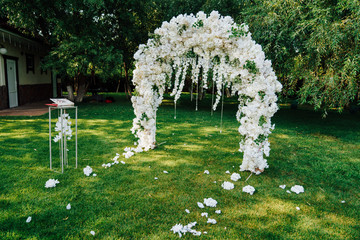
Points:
(30, 109)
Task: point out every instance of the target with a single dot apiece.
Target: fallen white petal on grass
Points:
(212, 221)
(155, 178)
(297, 189)
(122, 162)
(227, 185)
(87, 171)
(235, 177)
(180, 229)
(249, 189)
(165, 172)
(297, 208)
(195, 233)
(228, 172)
(282, 186)
(51, 183)
(210, 202)
(342, 201)
(204, 232)
(200, 205)
(92, 233)
(218, 211)
(187, 211)
(68, 207)
(28, 219)
(214, 181)
(177, 228)
(206, 172)
(94, 175)
(288, 191)
(204, 214)
(128, 154)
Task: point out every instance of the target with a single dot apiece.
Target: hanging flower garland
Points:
(196, 46)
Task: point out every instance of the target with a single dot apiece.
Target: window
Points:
(30, 63)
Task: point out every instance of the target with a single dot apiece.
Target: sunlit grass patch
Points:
(125, 201)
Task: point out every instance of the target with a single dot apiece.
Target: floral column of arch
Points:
(199, 44)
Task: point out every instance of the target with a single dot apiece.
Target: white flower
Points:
(297, 189)
(213, 221)
(227, 185)
(180, 229)
(128, 154)
(68, 207)
(218, 211)
(187, 211)
(235, 177)
(177, 229)
(204, 214)
(206, 172)
(249, 189)
(210, 202)
(51, 183)
(28, 219)
(297, 208)
(200, 205)
(210, 40)
(87, 171)
(165, 172)
(92, 233)
(282, 186)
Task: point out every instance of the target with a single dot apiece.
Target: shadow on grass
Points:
(126, 202)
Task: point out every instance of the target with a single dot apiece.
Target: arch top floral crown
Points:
(197, 44)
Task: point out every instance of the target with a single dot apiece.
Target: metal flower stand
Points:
(62, 137)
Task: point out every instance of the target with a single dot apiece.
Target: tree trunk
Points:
(82, 88)
(118, 86)
(70, 92)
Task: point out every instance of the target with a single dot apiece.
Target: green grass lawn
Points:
(126, 202)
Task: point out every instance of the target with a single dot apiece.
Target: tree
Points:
(313, 46)
(78, 37)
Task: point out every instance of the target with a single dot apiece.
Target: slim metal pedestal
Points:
(63, 138)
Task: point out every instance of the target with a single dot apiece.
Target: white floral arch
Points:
(199, 44)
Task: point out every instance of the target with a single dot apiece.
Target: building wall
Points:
(33, 86)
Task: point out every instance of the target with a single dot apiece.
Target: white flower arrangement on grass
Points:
(88, 170)
(235, 177)
(249, 189)
(297, 189)
(227, 185)
(199, 44)
(51, 183)
(180, 229)
(212, 221)
(210, 202)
